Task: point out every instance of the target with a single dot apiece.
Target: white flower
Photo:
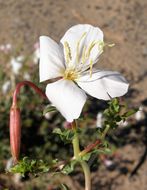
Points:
(99, 120)
(48, 115)
(2, 47)
(8, 46)
(108, 163)
(139, 115)
(5, 48)
(71, 61)
(16, 64)
(9, 164)
(123, 123)
(26, 76)
(6, 87)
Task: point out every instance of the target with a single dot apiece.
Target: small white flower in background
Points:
(123, 123)
(48, 115)
(2, 47)
(139, 114)
(99, 120)
(8, 46)
(9, 164)
(36, 54)
(5, 48)
(16, 64)
(71, 63)
(26, 76)
(6, 86)
(108, 163)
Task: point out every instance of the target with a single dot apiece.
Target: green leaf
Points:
(26, 166)
(101, 151)
(114, 104)
(118, 118)
(107, 151)
(130, 112)
(116, 113)
(64, 187)
(57, 131)
(67, 169)
(87, 156)
(66, 135)
(106, 113)
(49, 108)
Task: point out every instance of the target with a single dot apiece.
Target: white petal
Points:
(92, 34)
(104, 84)
(51, 59)
(67, 97)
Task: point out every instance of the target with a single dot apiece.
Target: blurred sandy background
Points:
(124, 22)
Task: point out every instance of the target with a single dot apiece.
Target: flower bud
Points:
(15, 132)
(15, 120)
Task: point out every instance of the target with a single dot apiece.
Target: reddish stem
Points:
(90, 147)
(18, 87)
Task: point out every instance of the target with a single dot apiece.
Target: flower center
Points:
(83, 60)
(70, 74)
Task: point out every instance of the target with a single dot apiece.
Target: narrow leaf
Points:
(49, 108)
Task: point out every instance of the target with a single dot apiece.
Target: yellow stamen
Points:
(67, 49)
(78, 44)
(71, 74)
(101, 46)
(90, 48)
(111, 45)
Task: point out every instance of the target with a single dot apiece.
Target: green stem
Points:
(87, 175)
(105, 131)
(76, 147)
(84, 165)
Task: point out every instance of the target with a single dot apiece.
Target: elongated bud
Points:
(15, 132)
(15, 119)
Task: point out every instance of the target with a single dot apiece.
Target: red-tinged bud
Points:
(15, 132)
(15, 120)
(67, 125)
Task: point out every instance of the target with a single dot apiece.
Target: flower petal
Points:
(68, 98)
(85, 43)
(104, 84)
(51, 59)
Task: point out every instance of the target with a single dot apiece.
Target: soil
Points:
(124, 23)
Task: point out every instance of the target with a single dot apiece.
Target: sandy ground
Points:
(123, 22)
